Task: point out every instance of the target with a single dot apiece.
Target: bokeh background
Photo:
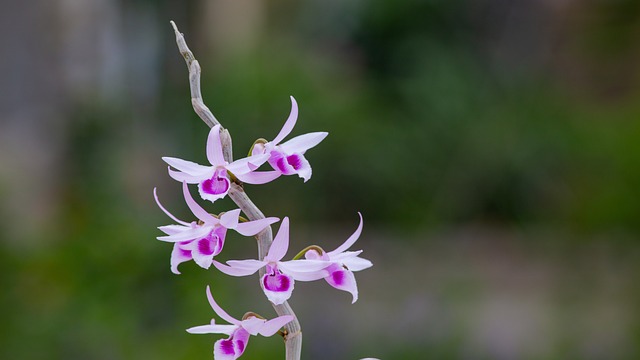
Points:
(493, 147)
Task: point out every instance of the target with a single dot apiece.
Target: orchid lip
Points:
(275, 280)
(218, 184)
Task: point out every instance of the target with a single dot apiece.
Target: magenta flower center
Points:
(275, 280)
(212, 244)
(295, 161)
(338, 277)
(217, 184)
(226, 346)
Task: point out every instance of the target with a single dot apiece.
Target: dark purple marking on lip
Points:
(218, 184)
(204, 246)
(277, 283)
(295, 161)
(338, 277)
(226, 345)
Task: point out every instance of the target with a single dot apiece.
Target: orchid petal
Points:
(302, 143)
(308, 275)
(272, 326)
(196, 209)
(251, 228)
(350, 241)
(181, 176)
(212, 329)
(258, 148)
(340, 257)
(248, 164)
(190, 234)
(343, 279)
(240, 267)
(215, 187)
(303, 168)
(277, 287)
(280, 243)
(178, 256)
(214, 147)
(252, 324)
(289, 124)
(230, 219)
(303, 265)
(357, 263)
(290, 164)
(203, 250)
(258, 177)
(155, 195)
(219, 311)
(187, 167)
(232, 347)
(173, 229)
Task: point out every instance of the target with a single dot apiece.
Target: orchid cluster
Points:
(203, 238)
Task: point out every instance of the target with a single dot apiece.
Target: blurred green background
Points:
(492, 146)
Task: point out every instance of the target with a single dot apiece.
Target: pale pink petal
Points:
(230, 219)
(289, 124)
(155, 195)
(343, 279)
(252, 324)
(190, 234)
(302, 143)
(251, 228)
(280, 243)
(173, 229)
(188, 167)
(339, 257)
(196, 209)
(190, 179)
(350, 241)
(239, 267)
(258, 177)
(248, 164)
(212, 329)
(314, 255)
(214, 147)
(218, 310)
(258, 148)
(357, 263)
(308, 276)
(277, 287)
(303, 265)
(272, 326)
(178, 256)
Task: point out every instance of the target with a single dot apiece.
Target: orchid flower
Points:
(343, 264)
(278, 281)
(288, 158)
(213, 181)
(203, 240)
(239, 330)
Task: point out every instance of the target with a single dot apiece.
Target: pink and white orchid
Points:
(288, 158)
(278, 281)
(203, 240)
(343, 264)
(213, 181)
(239, 331)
